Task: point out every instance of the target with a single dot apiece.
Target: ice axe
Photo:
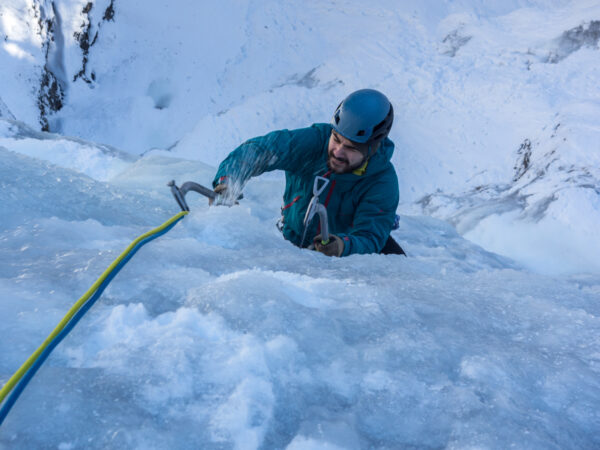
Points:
(180, 192)
(315, 207)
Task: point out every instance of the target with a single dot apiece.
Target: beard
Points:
(342, 165)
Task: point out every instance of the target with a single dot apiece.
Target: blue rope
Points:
(18, 389)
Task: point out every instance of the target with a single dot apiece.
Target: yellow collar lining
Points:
(362, 169)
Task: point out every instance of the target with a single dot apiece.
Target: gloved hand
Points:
(335, 246)
(220, 189)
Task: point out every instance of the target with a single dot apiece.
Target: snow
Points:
(100, 162)
(220, 334)
(470, 81)
(528, 241)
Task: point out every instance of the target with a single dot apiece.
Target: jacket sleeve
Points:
(373, 218)
(291, 150)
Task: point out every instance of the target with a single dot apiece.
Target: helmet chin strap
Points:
(370, 152)
(366, 157)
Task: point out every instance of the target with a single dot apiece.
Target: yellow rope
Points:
(27, 364)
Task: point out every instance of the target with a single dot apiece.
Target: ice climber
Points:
(353, 152)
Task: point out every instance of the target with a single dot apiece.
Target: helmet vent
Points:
(360, 133)
(387, 123)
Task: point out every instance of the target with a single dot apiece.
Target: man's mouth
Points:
(338, 161)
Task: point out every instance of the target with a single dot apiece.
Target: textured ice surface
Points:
(221, 334)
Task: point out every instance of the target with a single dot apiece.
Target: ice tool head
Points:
(314, 208)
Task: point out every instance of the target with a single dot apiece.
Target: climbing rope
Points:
(15, 385)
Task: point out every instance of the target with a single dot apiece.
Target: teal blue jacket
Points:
(361, 205)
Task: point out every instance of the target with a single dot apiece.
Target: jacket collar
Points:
(362, 169)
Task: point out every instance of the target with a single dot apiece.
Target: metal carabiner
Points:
(314, 207)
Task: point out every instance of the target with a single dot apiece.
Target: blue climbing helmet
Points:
(364, 117)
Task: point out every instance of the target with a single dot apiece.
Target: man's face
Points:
(343, 155)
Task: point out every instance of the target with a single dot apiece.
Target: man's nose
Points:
(338, 150)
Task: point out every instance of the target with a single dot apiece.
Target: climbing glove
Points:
(335, 246)
(222, 198)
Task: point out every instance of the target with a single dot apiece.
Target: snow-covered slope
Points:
(496, 105)
(221, 334)
(539, 201)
